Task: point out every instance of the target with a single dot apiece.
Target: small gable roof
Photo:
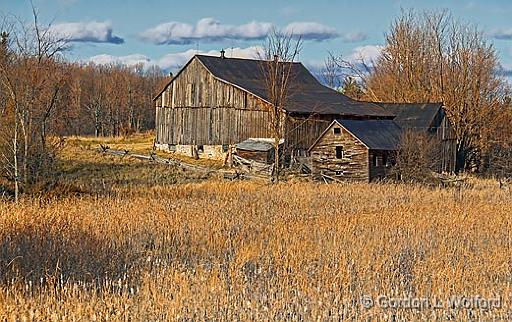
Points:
(374, 134)
(307, 95)
(414, 116)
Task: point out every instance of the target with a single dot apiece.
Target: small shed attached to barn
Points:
(428, 118)
(358, 150)
(257, 149)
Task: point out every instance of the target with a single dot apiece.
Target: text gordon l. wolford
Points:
(453, 302)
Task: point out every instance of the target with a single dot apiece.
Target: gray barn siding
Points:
(213, 112)
(446, 136)
(209, 126)
(199, 109)
(302, 132)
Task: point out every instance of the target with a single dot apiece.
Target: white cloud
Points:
(501, 34)
(210, 30)
(129, 60)
(311, 31)
(207, 29)
(93, 31)
(354, 37)
(172, 62)
(366, 54)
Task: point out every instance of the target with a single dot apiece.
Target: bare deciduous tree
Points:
(278, 59)
(417, 157)
(432, 57)
(32, 77)
(349, 74)
(332, 72)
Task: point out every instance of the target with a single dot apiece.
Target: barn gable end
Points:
(196, 108)
(339, 154)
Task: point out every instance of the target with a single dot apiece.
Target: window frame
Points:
(339, 152)
(375, 160)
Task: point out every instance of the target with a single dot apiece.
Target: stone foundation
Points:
(213, 152)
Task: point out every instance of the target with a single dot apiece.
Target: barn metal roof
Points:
(375, 134)
(414, 116)
(307, 95)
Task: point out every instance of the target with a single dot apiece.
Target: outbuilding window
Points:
(375, 160)
(337, 131)
(339, 152)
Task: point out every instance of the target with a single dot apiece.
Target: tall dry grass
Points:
(246, 251)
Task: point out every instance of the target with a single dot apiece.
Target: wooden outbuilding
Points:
(356, 150)
(430, 119)
(260, 150)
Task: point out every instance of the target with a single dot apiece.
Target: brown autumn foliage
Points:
(417, 157)
(108, 100)
(432, 57)
(44, 97)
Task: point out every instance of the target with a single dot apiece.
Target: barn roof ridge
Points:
(244, 58)
(419, 116)
(308, 95)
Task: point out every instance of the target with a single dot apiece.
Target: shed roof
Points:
(307, 95)
(259, 145)
(375, 134)
(414, 116)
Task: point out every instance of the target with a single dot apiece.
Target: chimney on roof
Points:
(222, 54)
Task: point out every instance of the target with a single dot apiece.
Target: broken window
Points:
(339, 152)
(200, 149)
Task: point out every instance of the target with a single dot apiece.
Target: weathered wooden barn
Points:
(214, 103)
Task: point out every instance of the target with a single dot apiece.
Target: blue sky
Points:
(167, 33)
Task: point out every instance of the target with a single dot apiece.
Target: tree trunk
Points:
(15, 150)
(276, 160)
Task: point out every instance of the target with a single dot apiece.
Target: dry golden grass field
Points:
(134, 241)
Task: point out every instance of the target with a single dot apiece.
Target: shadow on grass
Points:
(41, 256)
(98, 177)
